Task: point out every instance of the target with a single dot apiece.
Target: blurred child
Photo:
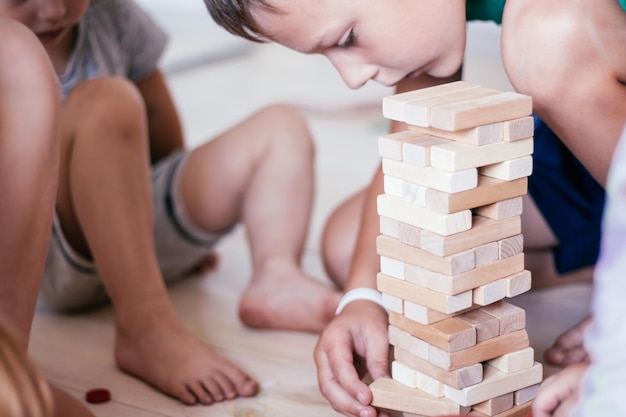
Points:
(134, 209)
(29, 139)
(548, 53)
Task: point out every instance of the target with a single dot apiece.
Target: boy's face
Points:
(381, 40)
(51, 20)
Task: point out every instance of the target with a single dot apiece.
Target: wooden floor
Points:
(75, 351)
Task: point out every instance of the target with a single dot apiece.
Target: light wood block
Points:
(512, 318)
(450, 334)
(394, 186)
(459, 378)
(509, 170)
(404, 340)
(390, 227)
(425, 315)
(393, 249)
(412, 293)
(495, 383)
(419, 112)
(504, 209)
(481, 111)
(414, 194)
(517, 129)
(466, 281)
(429, 385)
(477, 136)
(392, 267)
(490, 293)
(393, 106)
(450, 182)
(393, 303)
(486, 254)
(417, 151)
(511, 246)
(483, 351)
(496, 405)
(517, 284)
(404, 375)
(514, 361)
(390, 145)
(457, 156)
(487, 191)
(525, 395)
(516, 411)
(484, 230)
(389, 394)
(442, 224)
(486, 325)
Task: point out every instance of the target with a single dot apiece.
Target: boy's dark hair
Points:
(236, 16)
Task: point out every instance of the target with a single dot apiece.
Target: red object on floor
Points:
(97, 395)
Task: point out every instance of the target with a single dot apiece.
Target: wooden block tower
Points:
(451, 251)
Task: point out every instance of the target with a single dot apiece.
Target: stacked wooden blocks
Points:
(451, 251)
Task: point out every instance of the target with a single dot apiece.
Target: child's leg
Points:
(30, 99)
(261, 172)
(105, 209)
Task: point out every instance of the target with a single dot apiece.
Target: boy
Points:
(548, 52)
(29, 105)
(122, 165)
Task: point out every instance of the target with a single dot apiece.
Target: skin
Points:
(560, 393)
(424, 46)
(111, 128)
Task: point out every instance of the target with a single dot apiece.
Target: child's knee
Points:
(289, 127)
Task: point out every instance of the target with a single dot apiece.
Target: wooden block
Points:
(517, 284)
(392, 267)
(389, 394)
(409, 235)
(419, 112)
(414, 194)
(509, 170)
(393, 249)
(393, 303)
(495, 383)
(457, 156)
(490, 293)
(450, 182)
(429, 385)
(404, 340)
(412, 293)
(484, 230)
(487, 191)
(483, 351)
(466, 281)
(516, 411)
(486, 254)
(450, 334)
(517, 129)
(477, 136)
(459, 378)
(442, 224)
(496, 405)
(526, 395)
(486, 325)
(394, 186)
(504, 209)
(404, 375)
(393, 106)
(510, 246)
(390, 227)
(514, 361)
(425, 315)
(417, 151)
(485, 110)
(390, 145)
(512, 318)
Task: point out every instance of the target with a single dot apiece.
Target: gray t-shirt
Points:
(115, 38)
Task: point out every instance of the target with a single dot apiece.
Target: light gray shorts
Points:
(72, 282)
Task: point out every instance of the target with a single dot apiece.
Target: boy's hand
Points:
(559, 394)
(360, 332)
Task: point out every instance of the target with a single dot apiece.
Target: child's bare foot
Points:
(168, 357)
(569, 347)
(282, 297)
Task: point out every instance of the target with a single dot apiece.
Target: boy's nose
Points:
(52, 9)
(356, 75)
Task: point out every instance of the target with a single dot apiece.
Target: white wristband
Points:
(362, 293)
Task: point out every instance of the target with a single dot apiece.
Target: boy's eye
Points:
(348, 40)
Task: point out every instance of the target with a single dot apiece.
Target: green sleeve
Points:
(490, 10)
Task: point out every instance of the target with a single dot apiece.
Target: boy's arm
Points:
(165, 130)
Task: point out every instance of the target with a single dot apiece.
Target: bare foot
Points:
(569, 347)
(281, 296)
(164, 354)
